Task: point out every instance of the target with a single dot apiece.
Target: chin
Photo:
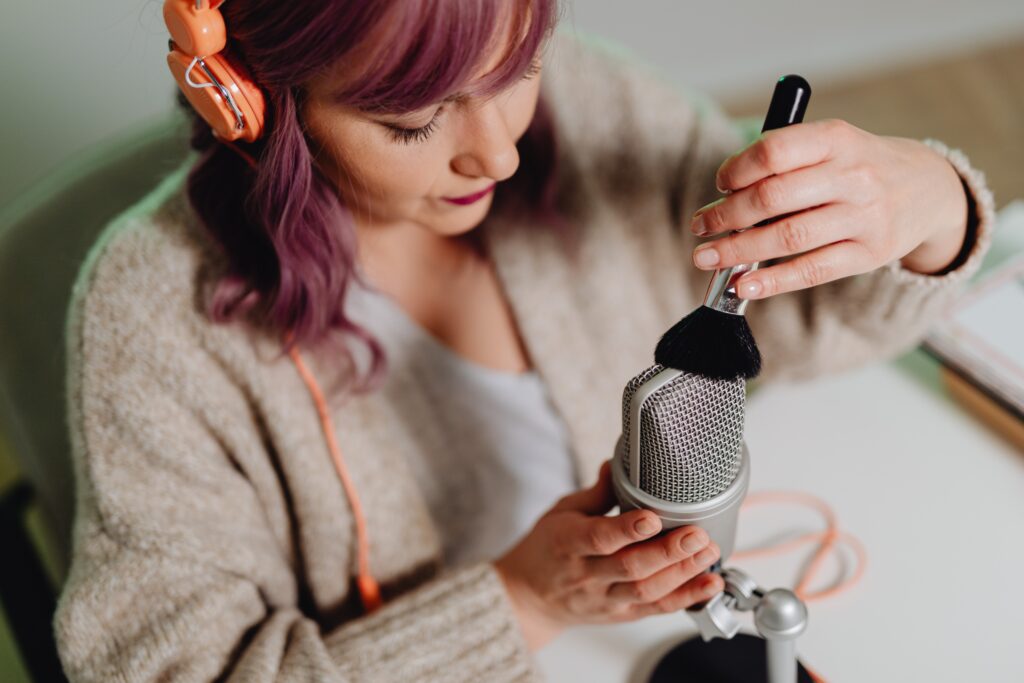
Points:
(459, 224)
(456, 231)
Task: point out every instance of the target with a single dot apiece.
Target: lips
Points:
(470, 198)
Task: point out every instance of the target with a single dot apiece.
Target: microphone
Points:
(681, 453)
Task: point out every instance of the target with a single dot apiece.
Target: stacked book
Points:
(980, 342)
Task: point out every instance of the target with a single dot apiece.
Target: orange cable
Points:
(813, 674)
(239, 151)
(829, 537)
(369, 589)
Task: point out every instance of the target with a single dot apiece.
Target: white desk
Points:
(935, 497)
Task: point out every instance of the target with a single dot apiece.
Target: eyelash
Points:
(410, 135)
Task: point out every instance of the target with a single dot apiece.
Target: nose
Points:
(486, 147)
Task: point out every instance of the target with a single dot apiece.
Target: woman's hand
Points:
(851, 200)
(577, 566)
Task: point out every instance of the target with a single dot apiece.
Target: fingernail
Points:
(645, 527)
(706, 256)
(710, 588)
(709, 205)
(693, 543)
(699, 227)
(750, 288)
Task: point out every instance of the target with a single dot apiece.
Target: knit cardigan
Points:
(213, 539)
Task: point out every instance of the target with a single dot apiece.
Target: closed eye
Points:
(410, 135)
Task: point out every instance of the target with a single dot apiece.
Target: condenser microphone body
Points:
(681, 453)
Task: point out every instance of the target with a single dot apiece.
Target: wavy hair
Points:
(289, 241)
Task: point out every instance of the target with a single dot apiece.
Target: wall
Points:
(74, 72)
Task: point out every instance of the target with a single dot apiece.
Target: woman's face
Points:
(388, 178)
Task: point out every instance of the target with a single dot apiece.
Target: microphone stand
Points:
(779, 616)
(727, 656)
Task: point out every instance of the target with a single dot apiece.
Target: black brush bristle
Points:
(716, 344)
(710, 343)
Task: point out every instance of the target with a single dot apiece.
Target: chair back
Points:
(44, 237)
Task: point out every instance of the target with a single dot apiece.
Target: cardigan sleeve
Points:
(847, 322)
(179, 570)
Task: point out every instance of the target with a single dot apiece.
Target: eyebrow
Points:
(459, 95)
(383, 111)
(451, 98)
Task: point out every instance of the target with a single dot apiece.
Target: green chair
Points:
(44, 237)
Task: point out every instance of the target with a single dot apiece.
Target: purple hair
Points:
(289, 241)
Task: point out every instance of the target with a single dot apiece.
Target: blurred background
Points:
(74, 73)
(76, 76)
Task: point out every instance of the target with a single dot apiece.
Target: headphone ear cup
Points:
(248, 96)
(196, 32)
(210, 103)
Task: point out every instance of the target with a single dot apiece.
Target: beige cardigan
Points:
(212, 536)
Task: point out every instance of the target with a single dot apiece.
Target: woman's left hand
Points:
(851, 200)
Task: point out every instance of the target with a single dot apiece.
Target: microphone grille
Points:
(691, 433)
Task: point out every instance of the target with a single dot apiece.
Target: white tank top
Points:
(508, 458)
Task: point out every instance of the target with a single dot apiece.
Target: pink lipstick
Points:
(470, 198)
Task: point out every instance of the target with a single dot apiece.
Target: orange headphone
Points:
(224, 94)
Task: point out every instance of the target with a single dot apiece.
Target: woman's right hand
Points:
(577, 566)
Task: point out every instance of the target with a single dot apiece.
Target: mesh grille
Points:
(691, 431)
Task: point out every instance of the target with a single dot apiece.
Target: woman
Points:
(223, 533)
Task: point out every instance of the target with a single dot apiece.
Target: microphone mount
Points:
(779, 616)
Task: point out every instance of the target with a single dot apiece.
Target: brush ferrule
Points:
(721, 294)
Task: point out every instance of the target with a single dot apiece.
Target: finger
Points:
(587, 536)
(657, 586)
(768, 198)
(794, 234)
(596, 500)
(641, 560)
(694, 591)
(782, 150)
(813, 268)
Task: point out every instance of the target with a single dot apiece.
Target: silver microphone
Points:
(681, 453)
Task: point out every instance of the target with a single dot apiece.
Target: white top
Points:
(503, 432)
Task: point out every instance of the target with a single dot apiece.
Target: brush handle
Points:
(788, 105)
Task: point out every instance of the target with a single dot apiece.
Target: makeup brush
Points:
(715, 340)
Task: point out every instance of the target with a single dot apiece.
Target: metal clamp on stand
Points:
(779, 616)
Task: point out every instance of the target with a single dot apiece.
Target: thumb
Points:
(596, 500)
